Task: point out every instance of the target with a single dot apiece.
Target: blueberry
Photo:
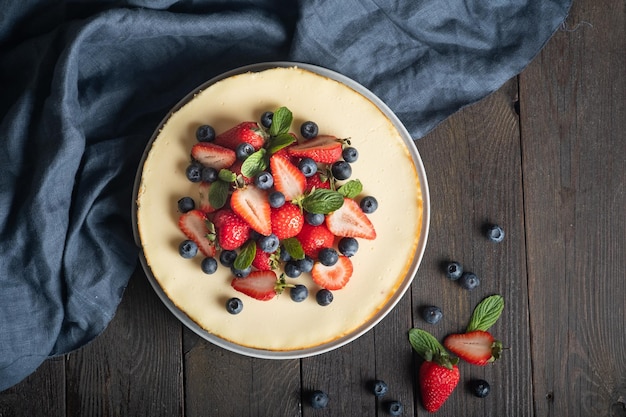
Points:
(368, 204)
(209, 265)
(188, 249)
(227, 257)
(328, 256)
(276, 199)
(379, 388)
(341, 170)
(266, 119)
(305, 264)
(240, 273)
(299, 293)
(309, 130)
(234, 305)
(269, 243)
(205, 133)
(209, 174)
(244, 150)
(324, 297)
(194, 172)
(186, 204)
(319, 399)
(307, 166)
(469, 281)
(350, 154)
(395, 408)
(314, 219)
(284, 255)
(264, 180)
(454, 270)
(432, 314)
(479, 387)
(348, 246)
(292, 270)
(495, 233)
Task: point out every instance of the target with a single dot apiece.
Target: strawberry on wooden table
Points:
(260, 285)
(244, 132)
(211, 155)
(439, 374)
(324, 149)
(195, 226)
(252, 205)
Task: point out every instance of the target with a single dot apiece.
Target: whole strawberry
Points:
(438, 374)
(248, 132)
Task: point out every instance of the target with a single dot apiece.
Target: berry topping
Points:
(188, 249)
(328, 256)
(227, 258)
(469, 281)
(333, 277)
(245, 132)
(186, 204)
(264, 261)
(205, 133)
(454, 270)
(269, 244)
(288, 179)
(350, 154)
(368, 204)
(324, 297)
(287, 221)
(350, 221)
(264, 180)
(313, 238)
(252, 205)
(314, 219)
(234, 305)
(309, 130)
(348, 246)
(308, 167)
(316, 181)
(209, 265)
(195, 226)
(299, 293)
(305, 264)
(214, 156)
(324, 149)
(260, 285)
(432, 314)
(209, 174)
(292, 270)
(194, 172)
(266, 119)
(276, 199)
(233, 232)
(243, 151)
(341, 170)
(479, 388)
(240, 273)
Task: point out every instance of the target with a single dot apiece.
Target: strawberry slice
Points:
(325, 149)
(212, 155)
(249, 132)
(288, 179)
(232, 230)
(194, 226)
(260, 285)
(287, 221)
(252, 205)
(333, 277)
(477, 347)
(313, 238)
(350, 221)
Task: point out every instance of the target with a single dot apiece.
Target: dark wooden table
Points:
(545, 157)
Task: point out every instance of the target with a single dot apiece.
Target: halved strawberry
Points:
(477, 347)
(288, 179)
(261, 285)
(252, 205)
(203, 191)
(333, 277)
(232, 230)
(194, 225)
(212, 155)
(313, 238)
(249, 132)
(287, 220)
(350, 221)
(325, 149)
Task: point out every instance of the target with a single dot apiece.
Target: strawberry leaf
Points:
(246, 256)
(293, 248)
(351, 189)
(322, 201)
(486, 313)
(218, 194)
(276, 143)
(254, 164)
(281, 121)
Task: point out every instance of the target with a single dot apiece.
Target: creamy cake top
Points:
(385, 168)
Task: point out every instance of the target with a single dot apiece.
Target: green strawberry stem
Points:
(430, 349)
(486, 313)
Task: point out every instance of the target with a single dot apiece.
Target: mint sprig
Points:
(293, 247)
(351, 189)
(281, 121)
(429, 348)
(254, 164)
(218, 193)
(322, 201)
(486, 313)
(246, 255)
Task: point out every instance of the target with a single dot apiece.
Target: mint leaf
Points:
(293, 248)
(276, 143)
(246, 256)
(218, 194)
(227, 175)
(281, 121)
(254, 164)
(322, 201)
(351, 189)
(486, 313)
(429, 348)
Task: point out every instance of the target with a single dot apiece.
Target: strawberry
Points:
(316, 181)
(236, 169)
(438, 374)
(333, 277)
(260, 285)
(249, 132)
(212, 155)
(203, 190)
(232, 230)
(325, 149)
(287, 220)
(264, 261)
(350, 221)
(287, 177)
(195, 226)
(252, 205)
(477, 347)
(313, 238)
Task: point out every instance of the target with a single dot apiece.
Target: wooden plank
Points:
(134, 368)
(40, 394)
(573, 116)
(222, 383)
(473, 165)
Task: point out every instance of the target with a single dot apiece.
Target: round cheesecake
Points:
(388, 167)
